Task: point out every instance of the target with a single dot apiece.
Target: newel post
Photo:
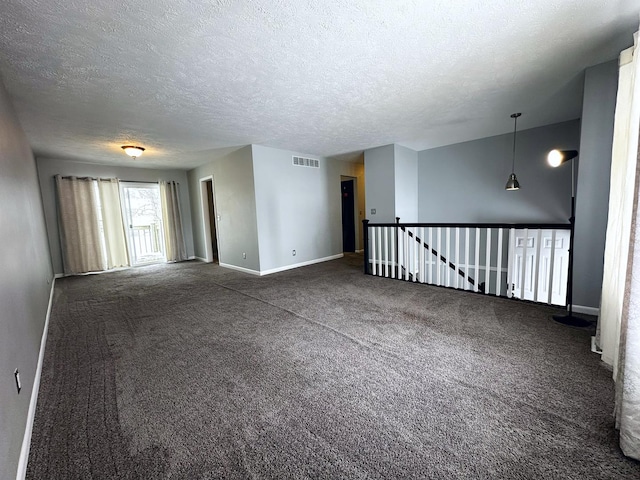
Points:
(365, 239)
(397, 267)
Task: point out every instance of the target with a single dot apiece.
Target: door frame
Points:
(125, 209)
(357, 225)
(206, 224)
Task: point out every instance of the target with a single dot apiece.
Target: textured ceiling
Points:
(190, 80)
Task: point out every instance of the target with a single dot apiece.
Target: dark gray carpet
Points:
(195, 371)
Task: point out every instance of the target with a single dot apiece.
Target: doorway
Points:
(348, 216)
(209, 219)
(142, 214)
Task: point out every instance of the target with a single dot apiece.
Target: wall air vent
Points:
(306, 162)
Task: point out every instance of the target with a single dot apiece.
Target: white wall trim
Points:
(586, 310)
(201, 259)
(360, 251)
(26, 441)
(240, 269)
(301, 264)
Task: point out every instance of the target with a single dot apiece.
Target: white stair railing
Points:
(524, 261)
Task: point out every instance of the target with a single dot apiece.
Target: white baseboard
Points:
(192, 257)
(281, 269)
(360, 251)
(59, 275)
(26, 441)
(301, 264)
(201, 259)
(586, 310)
(240, 269)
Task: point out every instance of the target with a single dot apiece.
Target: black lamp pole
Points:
(560, 157)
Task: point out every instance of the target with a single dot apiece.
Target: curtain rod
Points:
(107, 178)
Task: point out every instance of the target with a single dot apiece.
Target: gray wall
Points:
(406, 184)
(49, 167)
(25, 281)
(234, 197)
(379, 172)
(465, 182)
(298, 208)
(594, 172)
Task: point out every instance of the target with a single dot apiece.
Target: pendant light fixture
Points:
(512, 183)
(133, 151)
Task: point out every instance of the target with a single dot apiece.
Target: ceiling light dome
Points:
(132, 150)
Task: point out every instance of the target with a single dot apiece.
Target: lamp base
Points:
(571, 320)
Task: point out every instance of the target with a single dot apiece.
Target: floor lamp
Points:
(555, 159)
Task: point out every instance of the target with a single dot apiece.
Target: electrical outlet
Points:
(16, 374)
(373, 211)
(244, 255)
(293, 253)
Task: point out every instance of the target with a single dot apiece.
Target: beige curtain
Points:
(628, 365)
(621, 197)
(79, 229)
(172, 222)
(618, 332)
(112, 223)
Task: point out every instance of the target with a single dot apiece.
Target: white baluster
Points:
(499, 265)
(373, 251)
(379, 236)
(439, 248)
(422, 266)
(430, 252)
(553, 254)
(537, 265)
(523, 281)
(456, 259)
(477, 274)
(446, 264)
(487, 260)
(467, 241)
(511, 263)
(386, 251)
(415, 255)
(393, 252)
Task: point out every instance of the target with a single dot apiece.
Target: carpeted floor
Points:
(193, 371)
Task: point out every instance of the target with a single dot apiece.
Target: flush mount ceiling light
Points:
(133, 151)
(512, 183)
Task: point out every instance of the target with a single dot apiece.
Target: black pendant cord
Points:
(515, 129)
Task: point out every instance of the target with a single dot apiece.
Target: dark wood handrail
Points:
(545, 226)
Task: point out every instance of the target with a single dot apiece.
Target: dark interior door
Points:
(212, 221)
(348, 219)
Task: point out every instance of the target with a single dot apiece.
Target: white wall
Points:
(235, 205)
(25, 281)
(298, 208)
(406, 184)
(594, 172)
(465, 182)
(49, 167)
(379, 172)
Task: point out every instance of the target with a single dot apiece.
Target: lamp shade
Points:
(555, 158)
(512, 183)
(132, 150)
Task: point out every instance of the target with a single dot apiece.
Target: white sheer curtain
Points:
(172, 220)
(79, 229)
(112, 223)
(619, 323)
